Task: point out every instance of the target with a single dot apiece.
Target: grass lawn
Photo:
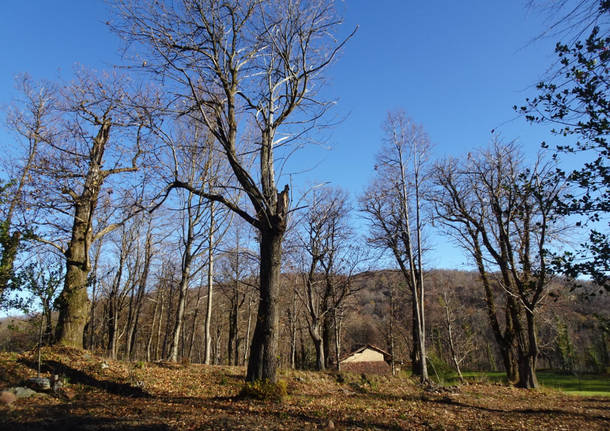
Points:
(582, 384)
(586, 384)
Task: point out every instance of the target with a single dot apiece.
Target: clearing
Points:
(100, 394)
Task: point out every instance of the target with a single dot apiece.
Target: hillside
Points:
(102, 395)
(570, 324)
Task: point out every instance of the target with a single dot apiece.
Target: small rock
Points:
(7, 398)
(40, 383)
(56, 383)
(104, 365)
(21, 392)
(330, 425)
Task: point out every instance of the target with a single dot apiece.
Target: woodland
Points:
(147, 232)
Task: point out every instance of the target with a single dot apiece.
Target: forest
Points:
(150, 225)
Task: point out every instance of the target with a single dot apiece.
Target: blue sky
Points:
(456, 67)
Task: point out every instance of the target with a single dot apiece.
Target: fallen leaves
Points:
(194, 397)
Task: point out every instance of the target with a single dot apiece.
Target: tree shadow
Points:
(78, 376)
(444, 399)
(280, 412)
(52, 421)
(524, 411)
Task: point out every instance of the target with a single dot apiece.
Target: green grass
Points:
(585, 385)
(491, 376)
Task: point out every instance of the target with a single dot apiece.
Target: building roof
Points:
(386, 355)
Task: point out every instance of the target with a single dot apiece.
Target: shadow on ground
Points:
(79, 377)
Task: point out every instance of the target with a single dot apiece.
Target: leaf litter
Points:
(109, 395)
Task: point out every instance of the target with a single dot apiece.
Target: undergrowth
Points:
(264, 390)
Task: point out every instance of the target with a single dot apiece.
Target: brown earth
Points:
(162, 396)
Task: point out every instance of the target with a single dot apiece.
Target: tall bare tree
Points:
(193, 154)
(123, 281)
(329, 258)
(458, 337)
(504, 213)
(237, 267)
(236, 63)
(138, 289)
(393, 206)
(100, 134)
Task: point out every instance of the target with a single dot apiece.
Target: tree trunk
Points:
(263, 362)
(528, 356)
(391, 334)
(113, 303)
(48, 329)
(168, 319)
(232, 342)
(248, 328)
(415, 352)
(293, 346)
(318, 343)
(327, 337)
(91, 343)
(182, 293)
(449, 326)
(337, 326)
(527, 372)
(158, 337)
(207, 340)
(73, 302)
(510, 364)
(152, 330)
(194, 322)
(292, 323)
(112, 328)
(504, 339)
(139, 298)
(303, 356)
(217, 345)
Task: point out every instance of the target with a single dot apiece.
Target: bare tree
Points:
(138, 289)
(504, 214)
(393, 204)
(236, 268)
(243, 62)
(33, 121)
(119, 292)
(458, 337)
(100, 133)
(328, 262)
(194, 159)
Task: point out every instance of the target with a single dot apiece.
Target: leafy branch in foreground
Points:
(576, 101)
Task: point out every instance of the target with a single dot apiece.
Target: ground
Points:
(102, 395)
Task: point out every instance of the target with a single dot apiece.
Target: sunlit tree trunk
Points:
(207, 339)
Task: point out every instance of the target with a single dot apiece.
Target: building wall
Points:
(375, 367)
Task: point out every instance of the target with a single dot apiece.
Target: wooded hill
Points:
(573, 325)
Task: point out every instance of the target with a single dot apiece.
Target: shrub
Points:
(264, 390)
(440, 369)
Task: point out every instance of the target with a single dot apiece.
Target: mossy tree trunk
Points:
(73, 302)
